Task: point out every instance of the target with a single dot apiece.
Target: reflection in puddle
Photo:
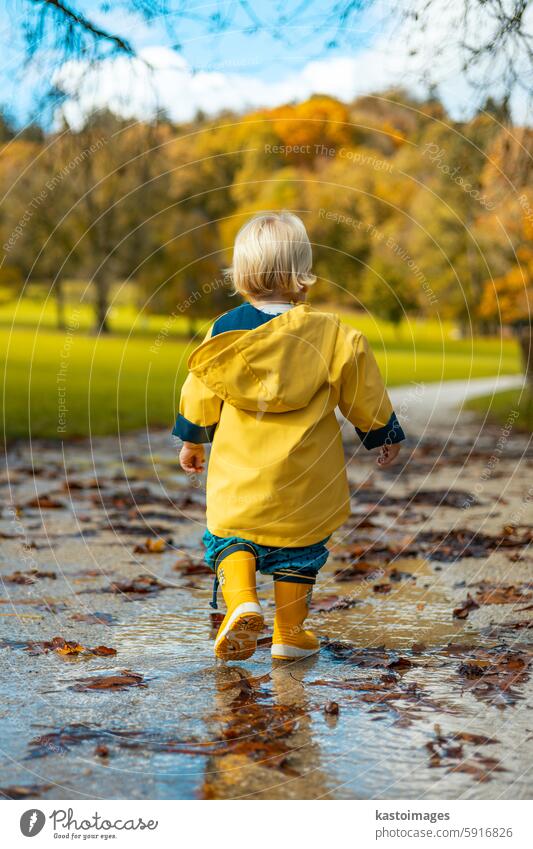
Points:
(414, 607)
(165, 631)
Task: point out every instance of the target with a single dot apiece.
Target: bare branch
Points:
(75, 24)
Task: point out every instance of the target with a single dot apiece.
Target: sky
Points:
(187, 62)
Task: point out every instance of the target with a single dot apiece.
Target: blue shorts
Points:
(294, 565)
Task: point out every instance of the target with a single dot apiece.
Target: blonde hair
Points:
(272, 255)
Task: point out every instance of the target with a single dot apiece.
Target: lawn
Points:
(118, 383)
(514, 407)
(124, 381)
(107, 384)
(38, 308)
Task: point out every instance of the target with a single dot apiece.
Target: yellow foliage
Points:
(510, 298)
(316, 122)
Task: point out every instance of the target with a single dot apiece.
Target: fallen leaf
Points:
(362, 570)
(150, 546)
(28, 577)
(327, 604)
(45, 502)
(68, 647)
(117, 681)
(476, 739)
(191, 566)
(501, 594)
(94, 618)
(492, 674)
(102, 651)
(449, 546)
(464, 609)
(142, 585)
(24, 791)
(444, 752)
(65, 647)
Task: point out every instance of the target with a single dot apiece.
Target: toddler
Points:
(263, 388)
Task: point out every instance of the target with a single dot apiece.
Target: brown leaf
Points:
(492, 674)
(448, 546)
(327, 604)
(191, 566)
(362, 570)
(471, 769)
(142, 585)
(247, 681)
(497, 594)
(117, 681)
(103, 651)
(465, 608)
(94, 618)
(66, 648)
(28, 577)
(150, 546)
(476, 739)
(24, 791)
(45, 502)
(400, 663)
(443, 753)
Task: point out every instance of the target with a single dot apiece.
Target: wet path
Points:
(101, 547)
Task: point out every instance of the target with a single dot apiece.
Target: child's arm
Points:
(364, 401)
(196, 422)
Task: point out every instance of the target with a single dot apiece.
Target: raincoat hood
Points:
(275, 368)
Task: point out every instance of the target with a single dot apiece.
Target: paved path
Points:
(428, 404)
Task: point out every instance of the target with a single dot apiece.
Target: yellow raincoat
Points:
(267, 398)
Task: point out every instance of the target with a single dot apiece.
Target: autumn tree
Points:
(508, 299)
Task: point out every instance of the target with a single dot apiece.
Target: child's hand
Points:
(192, 458)
(388, 454)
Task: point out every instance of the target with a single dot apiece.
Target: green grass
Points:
(124, 318)
(117, 383)
(113, 384)
(514, 407)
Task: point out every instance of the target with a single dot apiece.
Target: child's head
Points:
(272, 257)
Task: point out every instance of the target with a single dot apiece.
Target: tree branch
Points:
(76, 22)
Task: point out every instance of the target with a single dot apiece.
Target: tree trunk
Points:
(525, 339)
(101, 284)
(60, 304)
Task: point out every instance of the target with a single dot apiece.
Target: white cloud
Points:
(161, 78)
(134, 89)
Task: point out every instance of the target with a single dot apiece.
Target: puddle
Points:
(258, 730)
(414, 608)
(165, 632)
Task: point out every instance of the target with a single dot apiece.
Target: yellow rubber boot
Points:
(290, 640)
(237, 636)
